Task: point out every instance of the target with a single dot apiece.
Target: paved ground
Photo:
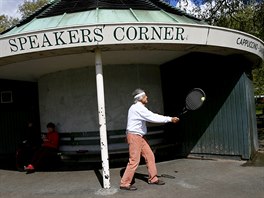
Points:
(193, 179)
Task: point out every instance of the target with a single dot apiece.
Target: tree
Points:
(246, 16)
(7, 22)
(235, 14)
(258, 80)
(26, 8)
(29, 7)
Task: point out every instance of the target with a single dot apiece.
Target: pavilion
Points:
(76, 62)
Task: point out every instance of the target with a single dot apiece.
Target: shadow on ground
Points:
(8, 162)
(257, 160)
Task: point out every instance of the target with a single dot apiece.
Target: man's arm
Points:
(149, 116)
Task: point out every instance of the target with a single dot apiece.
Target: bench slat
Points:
(80, 146)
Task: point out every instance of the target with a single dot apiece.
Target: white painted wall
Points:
(68, 98)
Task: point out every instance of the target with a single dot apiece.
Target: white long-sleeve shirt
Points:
(138, 115)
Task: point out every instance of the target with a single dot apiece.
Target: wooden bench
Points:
(85, 146)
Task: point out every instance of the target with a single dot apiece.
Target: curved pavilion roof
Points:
(63, 34)
(62, 13)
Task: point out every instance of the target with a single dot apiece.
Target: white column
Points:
(102, 120)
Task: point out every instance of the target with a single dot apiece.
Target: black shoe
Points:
(131, 188)
(158, 182)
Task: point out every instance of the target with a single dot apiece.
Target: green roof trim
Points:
(156, 11)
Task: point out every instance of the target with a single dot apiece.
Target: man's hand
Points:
(175, 119)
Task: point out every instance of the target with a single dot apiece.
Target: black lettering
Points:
(122, 31)
(253, 45)
(168, 33)
(238, 41)
(33, 41)
(12, 43)
(256, 46)
(86, 35)
(22, 42)
(73, 36)
(98, 34)
(131, 35)
(46, 40)
(245, 42)
(59, 40)
(143, 32)
(155, 33)
(179, 33)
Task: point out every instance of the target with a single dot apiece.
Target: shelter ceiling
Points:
(30, 67)
(31, 70)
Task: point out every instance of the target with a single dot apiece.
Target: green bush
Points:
(259, 108)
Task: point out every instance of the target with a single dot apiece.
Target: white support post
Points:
(102, 119)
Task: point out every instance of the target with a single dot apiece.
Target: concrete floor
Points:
(194, 178)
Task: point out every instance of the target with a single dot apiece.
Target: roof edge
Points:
(32, 16)
(51, 3)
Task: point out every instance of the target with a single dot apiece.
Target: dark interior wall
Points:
(221, 125)
(14, 116)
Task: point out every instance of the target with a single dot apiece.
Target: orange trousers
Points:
(138, 146)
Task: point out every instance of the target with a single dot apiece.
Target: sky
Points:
(10, 7)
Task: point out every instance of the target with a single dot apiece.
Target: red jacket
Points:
(52, 140)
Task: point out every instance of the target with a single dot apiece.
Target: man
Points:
(47, 151)
(29, 146)
(138, 115)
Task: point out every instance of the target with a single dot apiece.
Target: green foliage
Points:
(29, 7)
(248, 18)
(236, 14)
(7, 22)
(258, 79)
(26, 8)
